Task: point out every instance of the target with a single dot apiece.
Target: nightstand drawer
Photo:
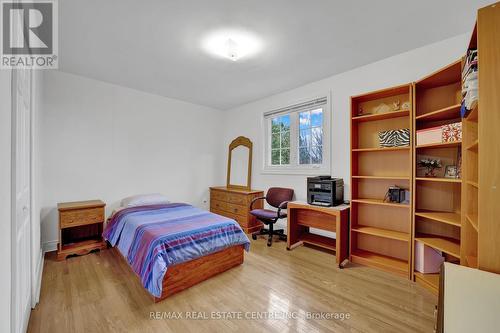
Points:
(74, 218)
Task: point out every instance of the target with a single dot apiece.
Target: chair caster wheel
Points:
(269, 243)
(254, 236)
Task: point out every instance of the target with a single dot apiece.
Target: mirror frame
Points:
(240, 141)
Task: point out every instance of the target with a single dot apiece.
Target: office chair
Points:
(276, 197)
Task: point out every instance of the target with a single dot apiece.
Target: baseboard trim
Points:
(50, 246)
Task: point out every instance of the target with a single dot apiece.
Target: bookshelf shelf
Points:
(443, 217)
(383, 177)
(441, 243)
(387, 263)
(380, 202)
(437, 179)
(375, 237)
(381, 116)
(397, 235)
(440, 145)
(449, 112)
(361, 150)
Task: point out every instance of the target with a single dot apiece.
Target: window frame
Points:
(294, 168)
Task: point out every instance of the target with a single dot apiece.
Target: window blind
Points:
(297, 107)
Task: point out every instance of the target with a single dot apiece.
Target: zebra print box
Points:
(394, 138)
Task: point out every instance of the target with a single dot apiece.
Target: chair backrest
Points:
(276, 195)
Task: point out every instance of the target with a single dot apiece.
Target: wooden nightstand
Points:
(80, 227)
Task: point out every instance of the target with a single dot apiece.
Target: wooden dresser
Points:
(80, 227)
(235, 204)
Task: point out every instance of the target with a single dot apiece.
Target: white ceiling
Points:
(155, 45)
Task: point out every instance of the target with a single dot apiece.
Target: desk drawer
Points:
(74, 218)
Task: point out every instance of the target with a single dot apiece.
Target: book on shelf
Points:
(469, 82)
(470, 62)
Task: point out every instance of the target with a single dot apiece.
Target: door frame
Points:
(36, 262)
(14, 81)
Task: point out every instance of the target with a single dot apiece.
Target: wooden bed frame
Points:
(187, 274)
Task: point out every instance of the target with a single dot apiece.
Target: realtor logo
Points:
(29, 34)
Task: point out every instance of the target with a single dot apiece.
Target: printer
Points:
(325, 191)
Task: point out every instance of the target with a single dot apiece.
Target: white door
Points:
(21, 194)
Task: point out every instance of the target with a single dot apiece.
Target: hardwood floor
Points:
(99, 293)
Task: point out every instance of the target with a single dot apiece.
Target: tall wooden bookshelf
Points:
(481, 225)
(459, 217)
(380, 231)
(437, 205)
(470, 190)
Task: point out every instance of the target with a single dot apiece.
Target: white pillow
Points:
(144, 199)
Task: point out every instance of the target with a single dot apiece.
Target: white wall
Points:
(403, 68)
(5, 196)
(107, 142)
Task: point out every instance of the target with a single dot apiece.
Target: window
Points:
(280, 141)
(297, 138)
(311, 137)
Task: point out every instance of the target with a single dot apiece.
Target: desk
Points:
(302, 216)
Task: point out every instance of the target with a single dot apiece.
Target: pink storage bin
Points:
(427, 259)
(429, 135)
(452, 132)
(439, 134)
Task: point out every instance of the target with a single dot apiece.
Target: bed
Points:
(174, 246)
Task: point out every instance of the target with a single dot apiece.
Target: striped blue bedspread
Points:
(153, 238)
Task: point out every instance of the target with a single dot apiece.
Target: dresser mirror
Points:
(239, 164)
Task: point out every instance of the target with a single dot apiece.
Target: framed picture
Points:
(450, 171)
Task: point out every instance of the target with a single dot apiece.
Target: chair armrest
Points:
(282, 205)
(254, 200)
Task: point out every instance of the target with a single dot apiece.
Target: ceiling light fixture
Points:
(232, 44)
(232, 49)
